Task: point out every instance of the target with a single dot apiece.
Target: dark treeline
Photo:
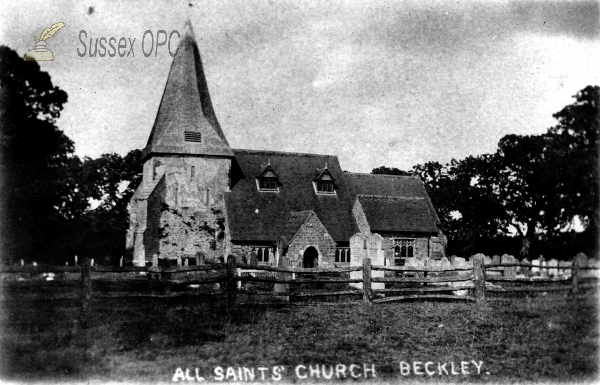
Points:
(520, 200)
(55, 205)
(526, 198)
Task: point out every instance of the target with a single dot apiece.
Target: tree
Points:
(37, 162)
(390, 171)
(109, 181)
(576, 140)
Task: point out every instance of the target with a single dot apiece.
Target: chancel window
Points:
(342, 255)
(403, 248)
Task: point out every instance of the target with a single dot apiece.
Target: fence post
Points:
(575, 273)
(479, 279)
(231, 283)
(86, 292)
(367, 280)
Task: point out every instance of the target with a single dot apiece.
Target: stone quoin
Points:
(199, 196)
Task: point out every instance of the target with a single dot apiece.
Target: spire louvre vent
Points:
(190, 136)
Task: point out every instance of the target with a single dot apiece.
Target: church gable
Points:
(389, 186)
(305, 231)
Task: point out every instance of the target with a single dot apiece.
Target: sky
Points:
(375, 82)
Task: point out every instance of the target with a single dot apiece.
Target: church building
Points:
(200, 197)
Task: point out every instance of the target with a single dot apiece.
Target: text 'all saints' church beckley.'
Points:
(201, 198)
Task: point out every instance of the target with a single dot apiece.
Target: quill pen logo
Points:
(40, 52)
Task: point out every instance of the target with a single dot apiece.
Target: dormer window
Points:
(324, 182)
(268, 184)
(325, 186)
(268, 180)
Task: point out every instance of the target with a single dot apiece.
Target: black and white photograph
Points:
(299, 192)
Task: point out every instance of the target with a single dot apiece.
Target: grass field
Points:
(522, 340)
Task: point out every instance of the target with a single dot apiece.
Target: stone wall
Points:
(185, 211)
(420, 251)
(187, 231)
(312, 233)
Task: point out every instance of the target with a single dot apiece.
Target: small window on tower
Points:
(191, 136)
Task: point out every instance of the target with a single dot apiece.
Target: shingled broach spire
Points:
(186, 122)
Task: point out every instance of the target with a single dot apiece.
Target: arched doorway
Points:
(311, 257)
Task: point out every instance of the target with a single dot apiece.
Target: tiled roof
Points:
(389, 185)
(186, 109)
(398, 214)
(262, 216)
(296, 220)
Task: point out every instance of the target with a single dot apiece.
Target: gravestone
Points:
(487, 260)
(543, 270)
(552, 272)
(92, 262)
(453, 259)
(121, 262)
(23, 262)
(509, 271)
(75, 260)
(154, 260)
(200, 258)
(282, 287)
(459, 261)
(444, 262)
(582, 259)
(34, 264)
(178, 260)
(524, 269)
(185, 262)
(253, 259)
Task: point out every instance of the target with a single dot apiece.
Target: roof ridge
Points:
(284, 153)
(395, 197)
(383, 175)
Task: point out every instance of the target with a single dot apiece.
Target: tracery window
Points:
(403, 248)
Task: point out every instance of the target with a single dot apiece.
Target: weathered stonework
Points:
(314, 234)
(367, 246)
(180, 208)
(420, 251)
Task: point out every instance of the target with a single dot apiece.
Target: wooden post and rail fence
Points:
(437, 282)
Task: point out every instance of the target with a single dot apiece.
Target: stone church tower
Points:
(187, 163)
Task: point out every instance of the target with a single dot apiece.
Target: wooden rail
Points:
(230, 275)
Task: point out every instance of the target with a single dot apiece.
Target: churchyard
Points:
(539, 337)
(536, 321)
